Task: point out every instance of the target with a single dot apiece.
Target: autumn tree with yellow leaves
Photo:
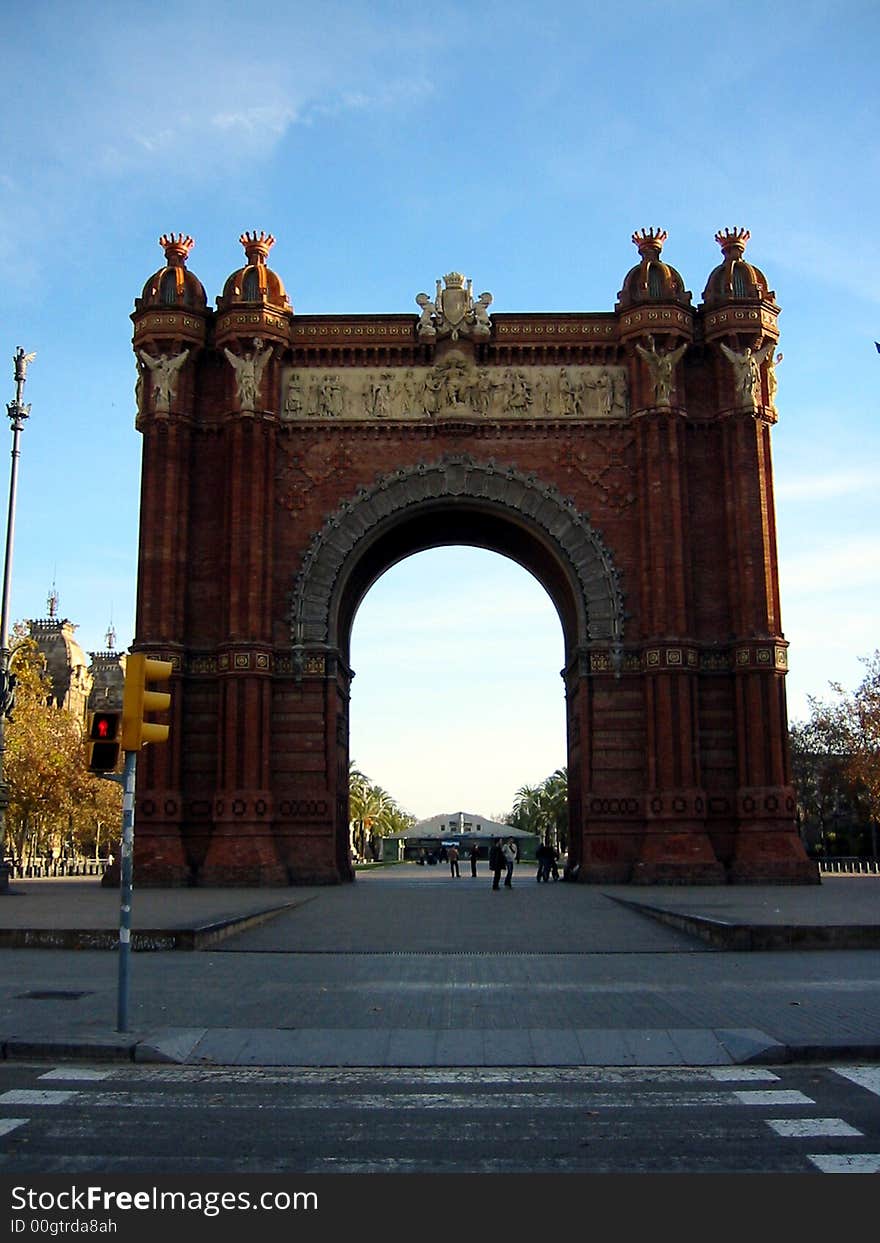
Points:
(56, 807)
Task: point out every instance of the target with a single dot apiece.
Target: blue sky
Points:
(384, 144)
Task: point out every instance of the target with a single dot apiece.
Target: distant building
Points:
(78, 685)
(463, 828)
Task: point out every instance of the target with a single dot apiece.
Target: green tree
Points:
(836, 755)
(821, 784)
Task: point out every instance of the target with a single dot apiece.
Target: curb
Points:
(354, 1049)
(198, 938)
(148, 1052)
(81, 1049)
(727, 936)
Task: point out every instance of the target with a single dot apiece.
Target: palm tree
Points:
(543, 809)
(526, 809)
(372, 813)
(554, 807)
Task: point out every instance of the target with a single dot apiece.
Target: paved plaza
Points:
(411, 967)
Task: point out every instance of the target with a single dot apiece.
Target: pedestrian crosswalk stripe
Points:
(773, 1097)
(9, 1124)
(847, 1163)
(865, 1076)
(795, 1127)
(35, 1096)
(73, 1073)
(725, 1074)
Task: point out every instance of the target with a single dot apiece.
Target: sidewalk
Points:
(408, 967)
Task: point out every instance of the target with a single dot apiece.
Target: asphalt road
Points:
(188, 1120)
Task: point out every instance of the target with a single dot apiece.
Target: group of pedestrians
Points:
(502, 859)
(548, 862)
(453, 857)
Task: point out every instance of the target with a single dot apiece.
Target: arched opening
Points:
(457, 700)
(454, 502)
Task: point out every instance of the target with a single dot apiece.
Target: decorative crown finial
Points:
(257, 245)
(648, 240)
(454, 280)
(732, 240)
(176, 247)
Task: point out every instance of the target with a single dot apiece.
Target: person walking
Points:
(508, 850)
(473, 858)
(452, 856)
(496, 862)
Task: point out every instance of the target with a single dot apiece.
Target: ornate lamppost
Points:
(17, 412)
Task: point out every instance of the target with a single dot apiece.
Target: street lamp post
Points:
(17, 412)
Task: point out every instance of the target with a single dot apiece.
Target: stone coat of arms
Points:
(453, 312)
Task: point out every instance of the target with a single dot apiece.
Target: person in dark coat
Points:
(496, 862)
(473, 857)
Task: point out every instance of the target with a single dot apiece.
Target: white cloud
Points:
(823, 487)
(824, 568)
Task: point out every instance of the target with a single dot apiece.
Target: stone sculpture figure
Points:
(433, 391)
(568, 402)
(425, 327)
(606, 393)
(164, 375)
(378, 396)
(330, 397)
(293, 403)
(772, 383)
(662, 369)
(248, 370)
(482, 323)
(518, 392)
(454, 382)
(403, 398)
(481, 392)
(747, 371)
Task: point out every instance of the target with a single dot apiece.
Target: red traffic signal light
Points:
(104, 741)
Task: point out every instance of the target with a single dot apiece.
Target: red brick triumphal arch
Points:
(622, 457)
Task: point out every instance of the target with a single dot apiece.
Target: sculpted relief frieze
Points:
(455, 387)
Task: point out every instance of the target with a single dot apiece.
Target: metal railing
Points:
(40, 869)
(846, 865)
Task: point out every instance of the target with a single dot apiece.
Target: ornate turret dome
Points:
(651, 280)
(255, 282)
(174, 285)
(734, 278)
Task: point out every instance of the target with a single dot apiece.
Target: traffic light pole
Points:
(126, 863)
(136, 732)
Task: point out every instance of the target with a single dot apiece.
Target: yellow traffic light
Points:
(104, 741)
(137, 700)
